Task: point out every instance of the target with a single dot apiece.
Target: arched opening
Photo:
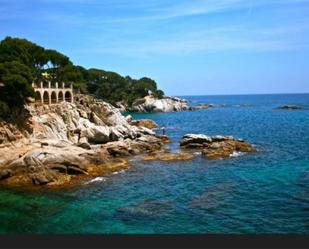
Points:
(68, 97)
(60, 97)
(45, 84)
(53, 84)
(53, 98)
(46, 98)
(38, 97)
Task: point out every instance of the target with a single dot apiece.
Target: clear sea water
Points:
(258, 193)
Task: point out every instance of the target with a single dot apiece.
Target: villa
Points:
(52, 93)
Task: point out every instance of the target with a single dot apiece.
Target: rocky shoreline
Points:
(65, 144)
(70, 142)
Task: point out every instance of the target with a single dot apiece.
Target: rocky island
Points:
(216, 147)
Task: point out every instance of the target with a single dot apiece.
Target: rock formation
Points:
(215, 147)
(68, 141)
(166, 104)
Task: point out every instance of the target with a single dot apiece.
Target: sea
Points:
(266, 192)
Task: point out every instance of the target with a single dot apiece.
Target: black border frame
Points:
(154, 241)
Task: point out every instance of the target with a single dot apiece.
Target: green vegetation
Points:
(22, 62)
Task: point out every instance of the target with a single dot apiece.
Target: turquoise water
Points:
(263, 192)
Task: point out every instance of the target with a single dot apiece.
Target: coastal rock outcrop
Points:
(69, 141)
(215, 147)
(166, 104)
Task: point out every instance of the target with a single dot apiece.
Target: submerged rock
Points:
(212, 197)
(145, 209)
(215, 147)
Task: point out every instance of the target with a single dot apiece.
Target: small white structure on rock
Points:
(52, 93)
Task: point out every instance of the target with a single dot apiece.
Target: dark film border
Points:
(154, 241)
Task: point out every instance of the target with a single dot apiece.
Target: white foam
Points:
(97, 179)
(236, 154)
(118, 172)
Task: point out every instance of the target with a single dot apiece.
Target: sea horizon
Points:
(239, 94)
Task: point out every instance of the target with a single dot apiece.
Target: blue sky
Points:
(190, 47)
